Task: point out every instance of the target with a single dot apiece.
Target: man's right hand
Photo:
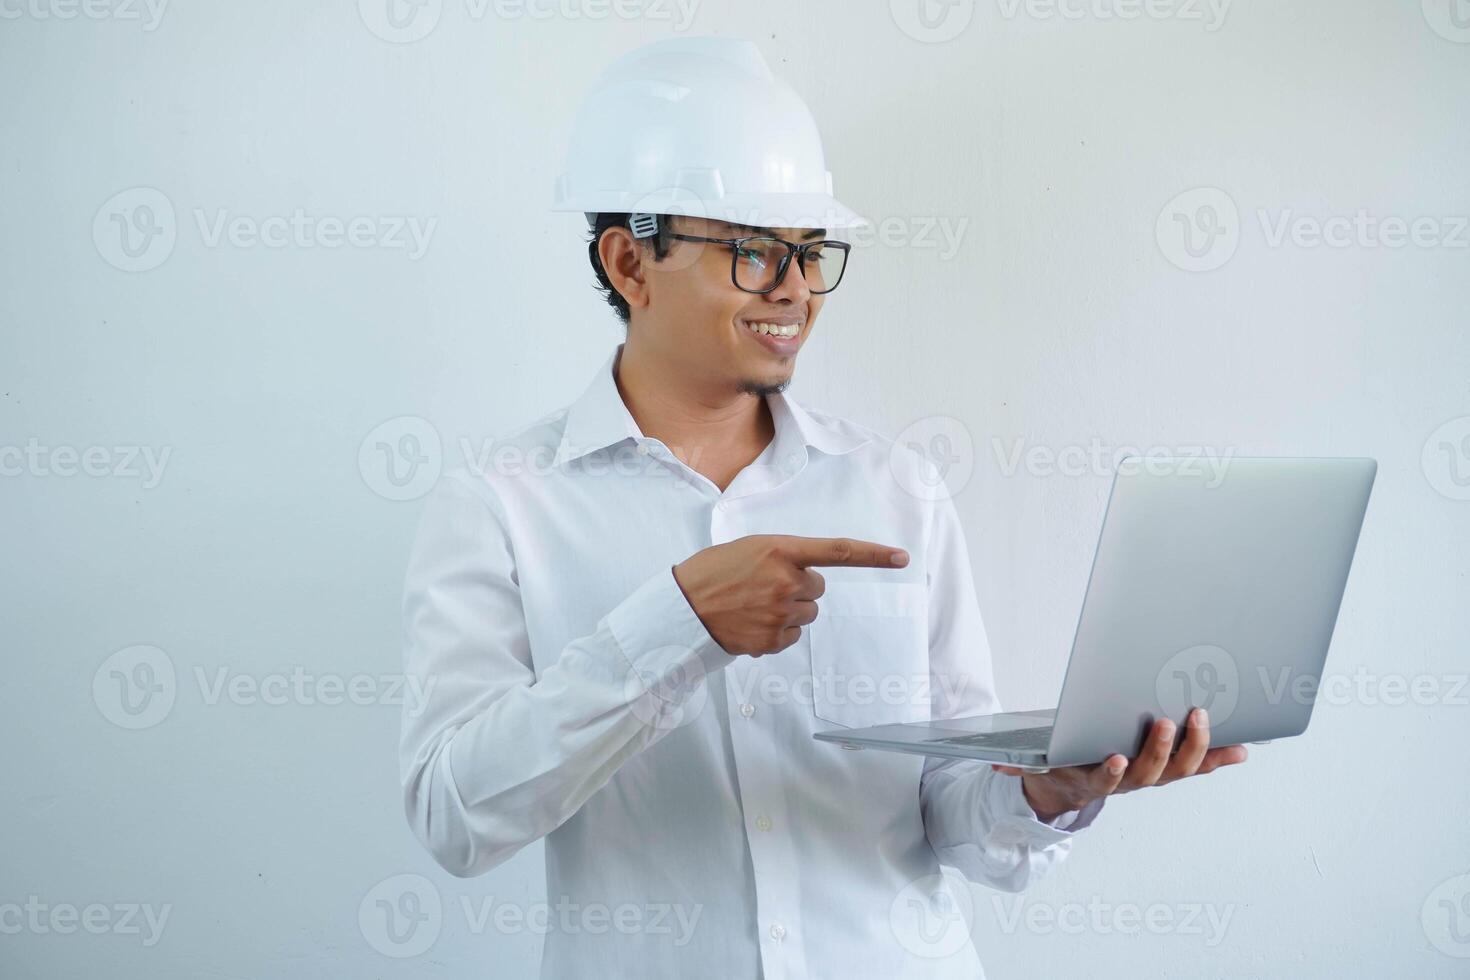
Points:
(754, 594)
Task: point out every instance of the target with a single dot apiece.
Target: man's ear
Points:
(622, 259)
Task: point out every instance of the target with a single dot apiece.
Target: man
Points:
(639, 616)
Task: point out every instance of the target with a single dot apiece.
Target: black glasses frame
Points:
(792, 248)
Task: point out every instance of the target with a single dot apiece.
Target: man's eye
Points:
(751, 254)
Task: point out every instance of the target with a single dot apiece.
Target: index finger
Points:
(806, 552)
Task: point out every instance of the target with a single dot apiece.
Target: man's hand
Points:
(754, 594)
(1056, 791)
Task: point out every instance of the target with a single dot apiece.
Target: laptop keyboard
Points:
(1019, 738)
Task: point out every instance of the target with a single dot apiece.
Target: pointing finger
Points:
(850, 552)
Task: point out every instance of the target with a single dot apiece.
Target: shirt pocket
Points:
(870, 654)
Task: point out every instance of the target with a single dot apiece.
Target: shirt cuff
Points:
(660, 635)
(1017, 822)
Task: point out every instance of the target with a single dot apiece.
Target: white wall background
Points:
(1049, 147)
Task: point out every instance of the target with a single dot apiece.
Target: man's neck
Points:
(714, 432)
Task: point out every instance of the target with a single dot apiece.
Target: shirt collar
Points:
(599, 419)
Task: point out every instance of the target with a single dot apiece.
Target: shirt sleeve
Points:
(977, 820)
(492, 756)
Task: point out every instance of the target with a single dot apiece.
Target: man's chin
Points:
(765, 386)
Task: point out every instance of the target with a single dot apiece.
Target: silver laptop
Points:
(1215, 584)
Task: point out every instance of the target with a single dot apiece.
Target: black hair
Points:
(601, 222)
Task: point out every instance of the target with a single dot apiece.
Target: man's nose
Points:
(792, 286)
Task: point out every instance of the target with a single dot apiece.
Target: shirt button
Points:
(793, 458)
(723, 505)
(747, 710)
(763, 823)
(778, 932)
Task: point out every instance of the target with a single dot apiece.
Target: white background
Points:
(1059, 320)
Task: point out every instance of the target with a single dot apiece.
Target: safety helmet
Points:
(699, 126)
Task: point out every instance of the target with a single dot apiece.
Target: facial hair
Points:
(762, 389)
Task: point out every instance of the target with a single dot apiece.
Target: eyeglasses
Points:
(758, 264)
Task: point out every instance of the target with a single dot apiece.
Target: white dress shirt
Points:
(693, 826)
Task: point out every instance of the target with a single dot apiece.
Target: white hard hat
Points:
(699, 126)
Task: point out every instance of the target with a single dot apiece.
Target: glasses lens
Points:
(756, 262)
(823, 266)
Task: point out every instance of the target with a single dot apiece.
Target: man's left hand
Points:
(1057, 791)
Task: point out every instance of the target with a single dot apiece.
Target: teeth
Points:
(776, 329)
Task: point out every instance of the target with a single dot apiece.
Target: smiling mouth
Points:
(780, 330)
